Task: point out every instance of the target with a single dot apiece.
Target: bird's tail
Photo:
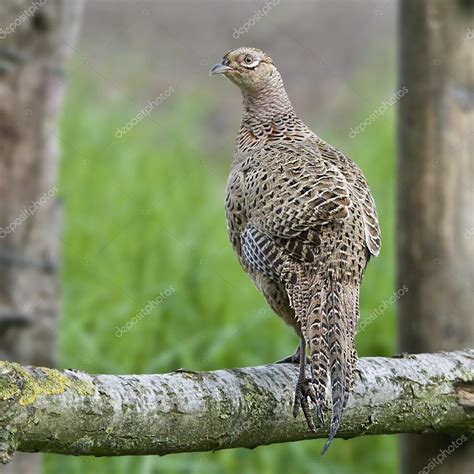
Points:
(330, 333)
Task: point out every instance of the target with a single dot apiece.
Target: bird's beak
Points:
(219, 69)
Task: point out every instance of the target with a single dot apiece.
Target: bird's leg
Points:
(304, 389)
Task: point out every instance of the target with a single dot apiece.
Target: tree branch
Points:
(71, 412)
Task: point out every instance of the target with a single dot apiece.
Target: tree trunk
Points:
(35, 40)
(70, 412)
(436, 197)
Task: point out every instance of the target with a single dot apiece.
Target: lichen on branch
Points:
(71, 412)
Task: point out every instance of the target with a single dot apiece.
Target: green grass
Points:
(145, 212)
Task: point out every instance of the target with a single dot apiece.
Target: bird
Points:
(303, 224)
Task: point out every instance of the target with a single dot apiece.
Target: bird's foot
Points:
(303, 394)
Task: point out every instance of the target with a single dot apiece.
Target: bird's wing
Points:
(371, 222)
(360, 189)
(296, 197)
(292, 207)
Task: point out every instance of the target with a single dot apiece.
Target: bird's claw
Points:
(303, 393)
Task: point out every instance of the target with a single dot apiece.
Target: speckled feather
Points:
(303, 224)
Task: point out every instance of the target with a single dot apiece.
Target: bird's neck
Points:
(267, 104)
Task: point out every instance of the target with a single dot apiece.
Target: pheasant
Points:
(303, 224)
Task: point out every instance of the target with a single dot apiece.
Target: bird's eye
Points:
(249, 62)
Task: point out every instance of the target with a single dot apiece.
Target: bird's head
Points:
(249, 68)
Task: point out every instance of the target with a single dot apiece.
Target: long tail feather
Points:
(342, 312)
(337, 353)
(327, 309)
(317, 336)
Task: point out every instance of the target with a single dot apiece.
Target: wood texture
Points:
(35, 40)
(436, 195)
(75, 413)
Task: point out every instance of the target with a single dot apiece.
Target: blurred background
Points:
(147, 140)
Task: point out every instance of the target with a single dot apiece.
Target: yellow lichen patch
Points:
(27, 385)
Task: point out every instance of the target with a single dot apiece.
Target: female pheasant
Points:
(303, 224)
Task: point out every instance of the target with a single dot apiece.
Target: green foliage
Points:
(144, 213)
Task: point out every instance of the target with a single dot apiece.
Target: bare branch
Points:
(75, 413)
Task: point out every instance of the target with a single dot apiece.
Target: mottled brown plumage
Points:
(303, 224)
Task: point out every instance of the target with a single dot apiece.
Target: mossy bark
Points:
(71, 412)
